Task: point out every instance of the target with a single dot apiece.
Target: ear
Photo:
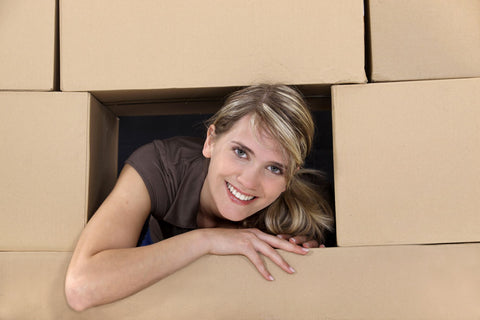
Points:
(209, 141)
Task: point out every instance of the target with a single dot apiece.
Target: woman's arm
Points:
(106, 265)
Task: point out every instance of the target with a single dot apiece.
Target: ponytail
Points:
(302, 209)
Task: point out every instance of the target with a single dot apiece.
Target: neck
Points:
(205, 216)
(205, 220)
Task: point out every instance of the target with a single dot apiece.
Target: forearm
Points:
(117, 273)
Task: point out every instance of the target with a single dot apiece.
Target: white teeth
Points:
(237, 194)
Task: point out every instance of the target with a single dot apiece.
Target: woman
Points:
(230, 194)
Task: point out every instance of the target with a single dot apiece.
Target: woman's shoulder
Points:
(165, 165)
(179, 148)
(167, 154)
(180, 142)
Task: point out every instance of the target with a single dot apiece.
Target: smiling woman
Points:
(276, 118)
(241, 191)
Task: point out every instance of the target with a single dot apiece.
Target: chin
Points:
(232, 216)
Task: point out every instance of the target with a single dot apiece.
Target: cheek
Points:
(275, 188)
(227, 164)
(220, 167)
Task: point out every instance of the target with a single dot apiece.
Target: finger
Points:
(273, 255)
(278, 243)
(284, 236)
(298, 239)
(311, 244)
(257, 261)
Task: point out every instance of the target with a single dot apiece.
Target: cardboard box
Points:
(398, 282)
(423, 39)
(28, 45)
(151, 50)
(406, 161)
(59, 161)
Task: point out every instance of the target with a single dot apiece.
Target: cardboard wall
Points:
(103, 154)
(28, 45)
(406, 154)
(406, 160)
(423, 39)
(401, 282)
(58, 163)
(156, 47)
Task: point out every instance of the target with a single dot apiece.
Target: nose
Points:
(249, 177)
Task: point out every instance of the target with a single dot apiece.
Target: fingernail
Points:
(292, 240)
(270, 278)
(291, 269)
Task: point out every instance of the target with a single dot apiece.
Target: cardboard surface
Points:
(406, 161)
(58, 164)
(398, 282)
(103, 154)
(424, 39)
(189, 106)
(154, 48)
(27, 44)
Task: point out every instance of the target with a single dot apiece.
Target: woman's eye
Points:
(240, 153)
(275, 170)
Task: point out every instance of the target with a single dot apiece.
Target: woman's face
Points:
(246, 173)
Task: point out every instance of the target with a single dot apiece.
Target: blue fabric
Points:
(146, 239)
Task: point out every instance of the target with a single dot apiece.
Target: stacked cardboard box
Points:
(398, 282)
(406, 151)
(163, 49)
(406, 158)
(423, 39)
(28, 45)
(59, 158)
(405, 154)
(58, 164)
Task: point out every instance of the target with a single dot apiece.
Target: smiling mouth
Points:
(237, 194)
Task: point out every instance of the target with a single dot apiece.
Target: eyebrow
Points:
(244, 147)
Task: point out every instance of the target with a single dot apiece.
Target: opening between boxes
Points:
(161, 120)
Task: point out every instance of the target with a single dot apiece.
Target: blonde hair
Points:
(303, 208)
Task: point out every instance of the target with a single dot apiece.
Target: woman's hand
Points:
(303, 241)
(251, 242)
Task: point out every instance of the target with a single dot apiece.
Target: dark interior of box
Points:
(136, 131)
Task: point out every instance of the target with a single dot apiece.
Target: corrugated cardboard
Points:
(58, 163)
(406, 158)
(130, 51)
(398, 282)
(423, 39)
(27, 44)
